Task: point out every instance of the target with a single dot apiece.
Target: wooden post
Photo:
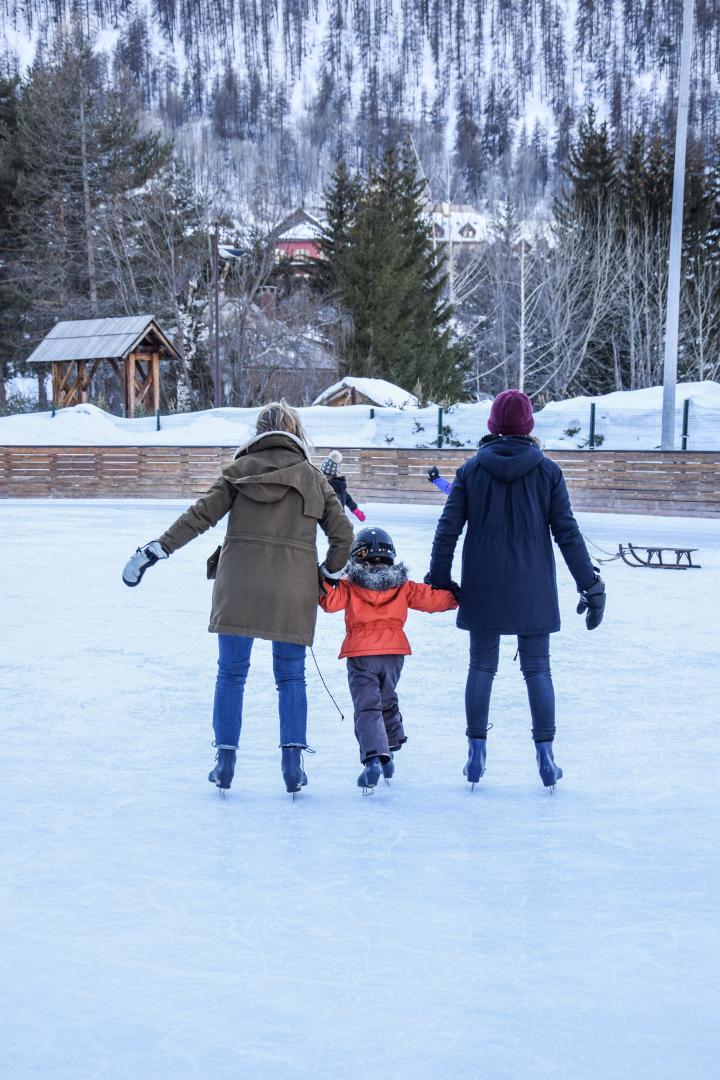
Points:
(56, 383)
(155, 362)
(130, 385)
(82, 383)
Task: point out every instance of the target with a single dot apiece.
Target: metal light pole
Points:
(216, 314)
(672, 316)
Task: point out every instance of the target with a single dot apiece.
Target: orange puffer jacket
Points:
(374, 620)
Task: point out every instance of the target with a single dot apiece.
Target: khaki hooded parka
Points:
(267, 582)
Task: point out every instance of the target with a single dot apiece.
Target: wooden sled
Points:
(654, 557)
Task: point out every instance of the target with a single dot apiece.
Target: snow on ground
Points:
(150, 929)
(625, 420)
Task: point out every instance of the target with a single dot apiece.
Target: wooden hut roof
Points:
(99, 339)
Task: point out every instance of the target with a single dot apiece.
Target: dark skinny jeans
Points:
(534, 650)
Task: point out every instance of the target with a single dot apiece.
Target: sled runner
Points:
(654, 557)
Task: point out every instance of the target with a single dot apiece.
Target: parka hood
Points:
(271, 464)
(381, 584)
(509, 457)
(276, 438)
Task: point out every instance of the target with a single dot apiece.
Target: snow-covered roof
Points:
(459, 222)
(307, 230)
(97, 339)
(300, 225)
(379, 391)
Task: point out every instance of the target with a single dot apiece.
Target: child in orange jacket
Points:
(376, 596)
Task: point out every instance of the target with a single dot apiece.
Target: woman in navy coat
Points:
(512, 499)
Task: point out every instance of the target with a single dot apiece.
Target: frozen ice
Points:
(152, 930)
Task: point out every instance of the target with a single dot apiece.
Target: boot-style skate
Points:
(550, 773)
(475, 767)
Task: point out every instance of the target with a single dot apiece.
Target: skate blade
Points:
(222, 792)
(368, 790)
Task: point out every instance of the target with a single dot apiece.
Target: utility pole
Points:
(672, 316)
(216, 313)
(521, 359)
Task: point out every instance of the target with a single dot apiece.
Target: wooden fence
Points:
(653, 482)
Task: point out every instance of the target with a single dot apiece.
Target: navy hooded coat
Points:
(511, 496)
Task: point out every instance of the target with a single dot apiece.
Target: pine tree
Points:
(391, 284)
(342, 197)
(83, 151)
(592, 169)
(12, 302)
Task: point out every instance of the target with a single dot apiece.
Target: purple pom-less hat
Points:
(511, 414)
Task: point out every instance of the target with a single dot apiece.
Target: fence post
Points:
(372, 414)
(686, 423)
(157, 419)
(440, 429)
(52, 407)
(591, 440)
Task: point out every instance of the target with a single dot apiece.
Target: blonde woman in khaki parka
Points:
(266, 584)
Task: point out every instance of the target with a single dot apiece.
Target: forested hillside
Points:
(264, 95)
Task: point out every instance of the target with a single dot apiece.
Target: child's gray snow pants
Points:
(378, 723)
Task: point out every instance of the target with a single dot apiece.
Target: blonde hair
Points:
(279, 416)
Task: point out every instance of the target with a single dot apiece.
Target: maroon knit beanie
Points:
(511, 414)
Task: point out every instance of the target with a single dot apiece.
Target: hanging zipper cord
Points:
(312, 653)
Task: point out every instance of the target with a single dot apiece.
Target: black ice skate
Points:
(388, 768)
(368, 778)
(475, 767)
(550, 773)
(292, 770)
(224, 771)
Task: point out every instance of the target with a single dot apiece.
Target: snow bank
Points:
(629, 420)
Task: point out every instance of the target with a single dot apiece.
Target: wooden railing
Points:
(622, 481)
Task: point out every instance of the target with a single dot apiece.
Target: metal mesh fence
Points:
(568, 425)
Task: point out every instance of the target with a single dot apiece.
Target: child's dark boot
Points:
(368, 778)
(388, 767)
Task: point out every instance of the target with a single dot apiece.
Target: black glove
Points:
(146, 556)
(450, 586)
(592, 600)
(330, 577)
(433, 473)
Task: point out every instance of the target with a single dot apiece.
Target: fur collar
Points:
(378, 579)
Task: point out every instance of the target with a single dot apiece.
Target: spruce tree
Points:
(592, 170)
(391, 284)
(341, 202)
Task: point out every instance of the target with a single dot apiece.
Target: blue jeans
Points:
(534, 652)
(233, 667)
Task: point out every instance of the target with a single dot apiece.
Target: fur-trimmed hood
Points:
(377, 578)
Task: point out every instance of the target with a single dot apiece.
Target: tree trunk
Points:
(42, 388)
(92, 276)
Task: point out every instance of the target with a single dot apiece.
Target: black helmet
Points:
(373, 544)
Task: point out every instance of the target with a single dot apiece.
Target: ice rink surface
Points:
(152, 930)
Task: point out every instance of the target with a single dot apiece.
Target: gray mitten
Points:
(146, 556)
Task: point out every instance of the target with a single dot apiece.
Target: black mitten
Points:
(144, 557)
(433, 473)
(450, 586)
(592, 600)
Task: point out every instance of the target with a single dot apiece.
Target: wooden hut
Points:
(359, 391)
(132, 346)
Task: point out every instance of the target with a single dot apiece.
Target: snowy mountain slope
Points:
(501, 65)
